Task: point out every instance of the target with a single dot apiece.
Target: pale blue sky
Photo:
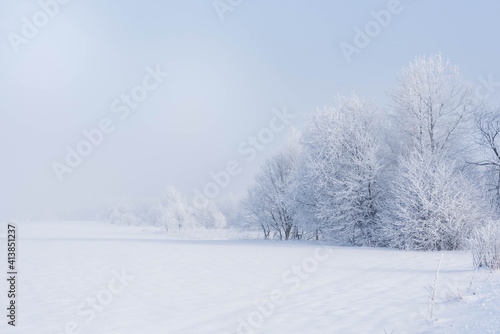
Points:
(225, 79)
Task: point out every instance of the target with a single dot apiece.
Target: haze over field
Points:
(225, 79)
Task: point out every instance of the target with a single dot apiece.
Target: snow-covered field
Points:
(90, 277)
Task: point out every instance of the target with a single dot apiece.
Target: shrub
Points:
(485, 245)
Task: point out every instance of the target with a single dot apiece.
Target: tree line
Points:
(421, 173)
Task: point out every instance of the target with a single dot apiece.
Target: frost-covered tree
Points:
(151, 213)
(433, 107)
(487, 123)
(267, 203)
(171, 212)
(176, 213)
(210, 216)
(123, 215)
(432, 104)
(115, 215)
(434, 206)
(232, 210)
(338, 178)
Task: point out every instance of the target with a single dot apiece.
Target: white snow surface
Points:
(68, 284)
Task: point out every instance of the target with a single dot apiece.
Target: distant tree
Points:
(267, 203)
(176, 213)
(115, 215)
(171, 212)
(123, 215)
(150, 213)
(210, 216)
(232, 209)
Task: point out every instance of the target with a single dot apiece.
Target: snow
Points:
(218, 286)
(478, 313)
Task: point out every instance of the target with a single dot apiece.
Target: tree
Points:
(433, 104)
(210, 216)
(116, 214)
(123, 216)
(171, 212)
(267, 203)
(487, 121)
(232, 210)
(338, 182)
(434, 206)
(176, 212)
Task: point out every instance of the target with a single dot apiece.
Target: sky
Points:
(180, 90)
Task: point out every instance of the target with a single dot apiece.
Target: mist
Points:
(205, 83)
